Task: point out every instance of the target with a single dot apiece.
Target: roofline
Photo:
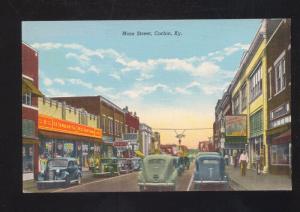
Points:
(26, 44)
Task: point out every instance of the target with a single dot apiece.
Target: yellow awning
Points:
(27, 85)
(139, 154)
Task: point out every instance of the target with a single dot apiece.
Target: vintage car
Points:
(210, 173)
(60, 171)
(207, 153)
(180, 165)
(107, 167)
(159, 173)
(136, 163)
(125, 165)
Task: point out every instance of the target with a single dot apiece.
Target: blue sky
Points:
(156, 76)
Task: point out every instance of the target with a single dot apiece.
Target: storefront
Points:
(107, 150)
(280, 152)
(60, 138)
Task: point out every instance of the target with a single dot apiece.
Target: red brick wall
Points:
(31, 114)
(132, 121)
(30, 63)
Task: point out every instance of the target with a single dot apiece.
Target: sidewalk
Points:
(252, 181)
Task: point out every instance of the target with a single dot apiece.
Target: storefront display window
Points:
(59, 149)
(280, 154)
(28, 158)
(69, 149)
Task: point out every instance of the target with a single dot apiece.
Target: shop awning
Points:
(283, 138)
(57, 135)
(27, 85)
(139, 154)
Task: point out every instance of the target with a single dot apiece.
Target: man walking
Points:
(258, 164)
(243, 162)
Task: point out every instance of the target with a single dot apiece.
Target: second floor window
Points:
(256, 83)
(236, 104)
(280, 76)
(244, 97)
(27, 98)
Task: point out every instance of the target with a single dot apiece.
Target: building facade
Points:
(279, 98)
(30, 94)
(145, 132)
(110, 118)
(66, 131)
(217, 126)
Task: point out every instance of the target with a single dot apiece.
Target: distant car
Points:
(210, 173)
(107, 167)
(180, 165)
(60, 171)
(159, 173)
(136, 163)
(208, 153)
(125, 165)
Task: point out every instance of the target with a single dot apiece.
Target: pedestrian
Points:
(258, 164)
(226, 157)
(234, 157)
(243, 162)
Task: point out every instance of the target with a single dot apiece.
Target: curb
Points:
(236, 184)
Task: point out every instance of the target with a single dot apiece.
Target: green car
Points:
(107, 167)
(159, 173)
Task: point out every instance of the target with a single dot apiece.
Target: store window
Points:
(280, 154)
(27, 98)
(256, 124)
(236, 104)
(244, 97)
(28, 152)
(59, 149)
(69, 149)
(256, 83)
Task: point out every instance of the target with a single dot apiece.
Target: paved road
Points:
(122, 183)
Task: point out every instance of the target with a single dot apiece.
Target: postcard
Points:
(156, 105)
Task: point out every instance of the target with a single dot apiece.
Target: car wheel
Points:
(79, 179)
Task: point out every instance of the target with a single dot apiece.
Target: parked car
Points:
(159, 173)
(60, 171)
(107, 167)
(125, 165)
(136, 163)
(210, 173)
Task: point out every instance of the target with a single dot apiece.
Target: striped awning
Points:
(27, 85)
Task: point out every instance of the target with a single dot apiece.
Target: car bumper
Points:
(210, 182)
(157, 184)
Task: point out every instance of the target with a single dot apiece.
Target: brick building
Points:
(111, 119)
(279, 96)
(30, 93)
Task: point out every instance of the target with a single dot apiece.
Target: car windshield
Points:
(57, 163)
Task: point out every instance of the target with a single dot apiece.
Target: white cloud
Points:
(46, 46)
(144, 76)
(140, 90)
(213, 89)
(94, 69)
(116, 76)
(77, 69)
(52, 92)
(102, 90)
(60, 81)
(47, 82)
(80, 82)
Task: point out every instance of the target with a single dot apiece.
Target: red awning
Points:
(283, 138)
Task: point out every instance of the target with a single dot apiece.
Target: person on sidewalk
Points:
(226, 157)
(258, 164)
(243, 162)
(234, 157)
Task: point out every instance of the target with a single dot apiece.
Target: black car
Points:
(60, 171)
(210, 173)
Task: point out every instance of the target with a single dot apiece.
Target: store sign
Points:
(120, 144)
(131, 137)
(236, 125)
(58, 125)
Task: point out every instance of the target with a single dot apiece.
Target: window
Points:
(111, 126)
(103, 126)
(63, 111)
(126, 128)
(83, 118)
(28, 128)
(236, 104)
(27, 98)
(280, 76)
(255, 83)
(270, 85)
(256, 124)
(28, 152)
(280, 154)
(244, 97)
